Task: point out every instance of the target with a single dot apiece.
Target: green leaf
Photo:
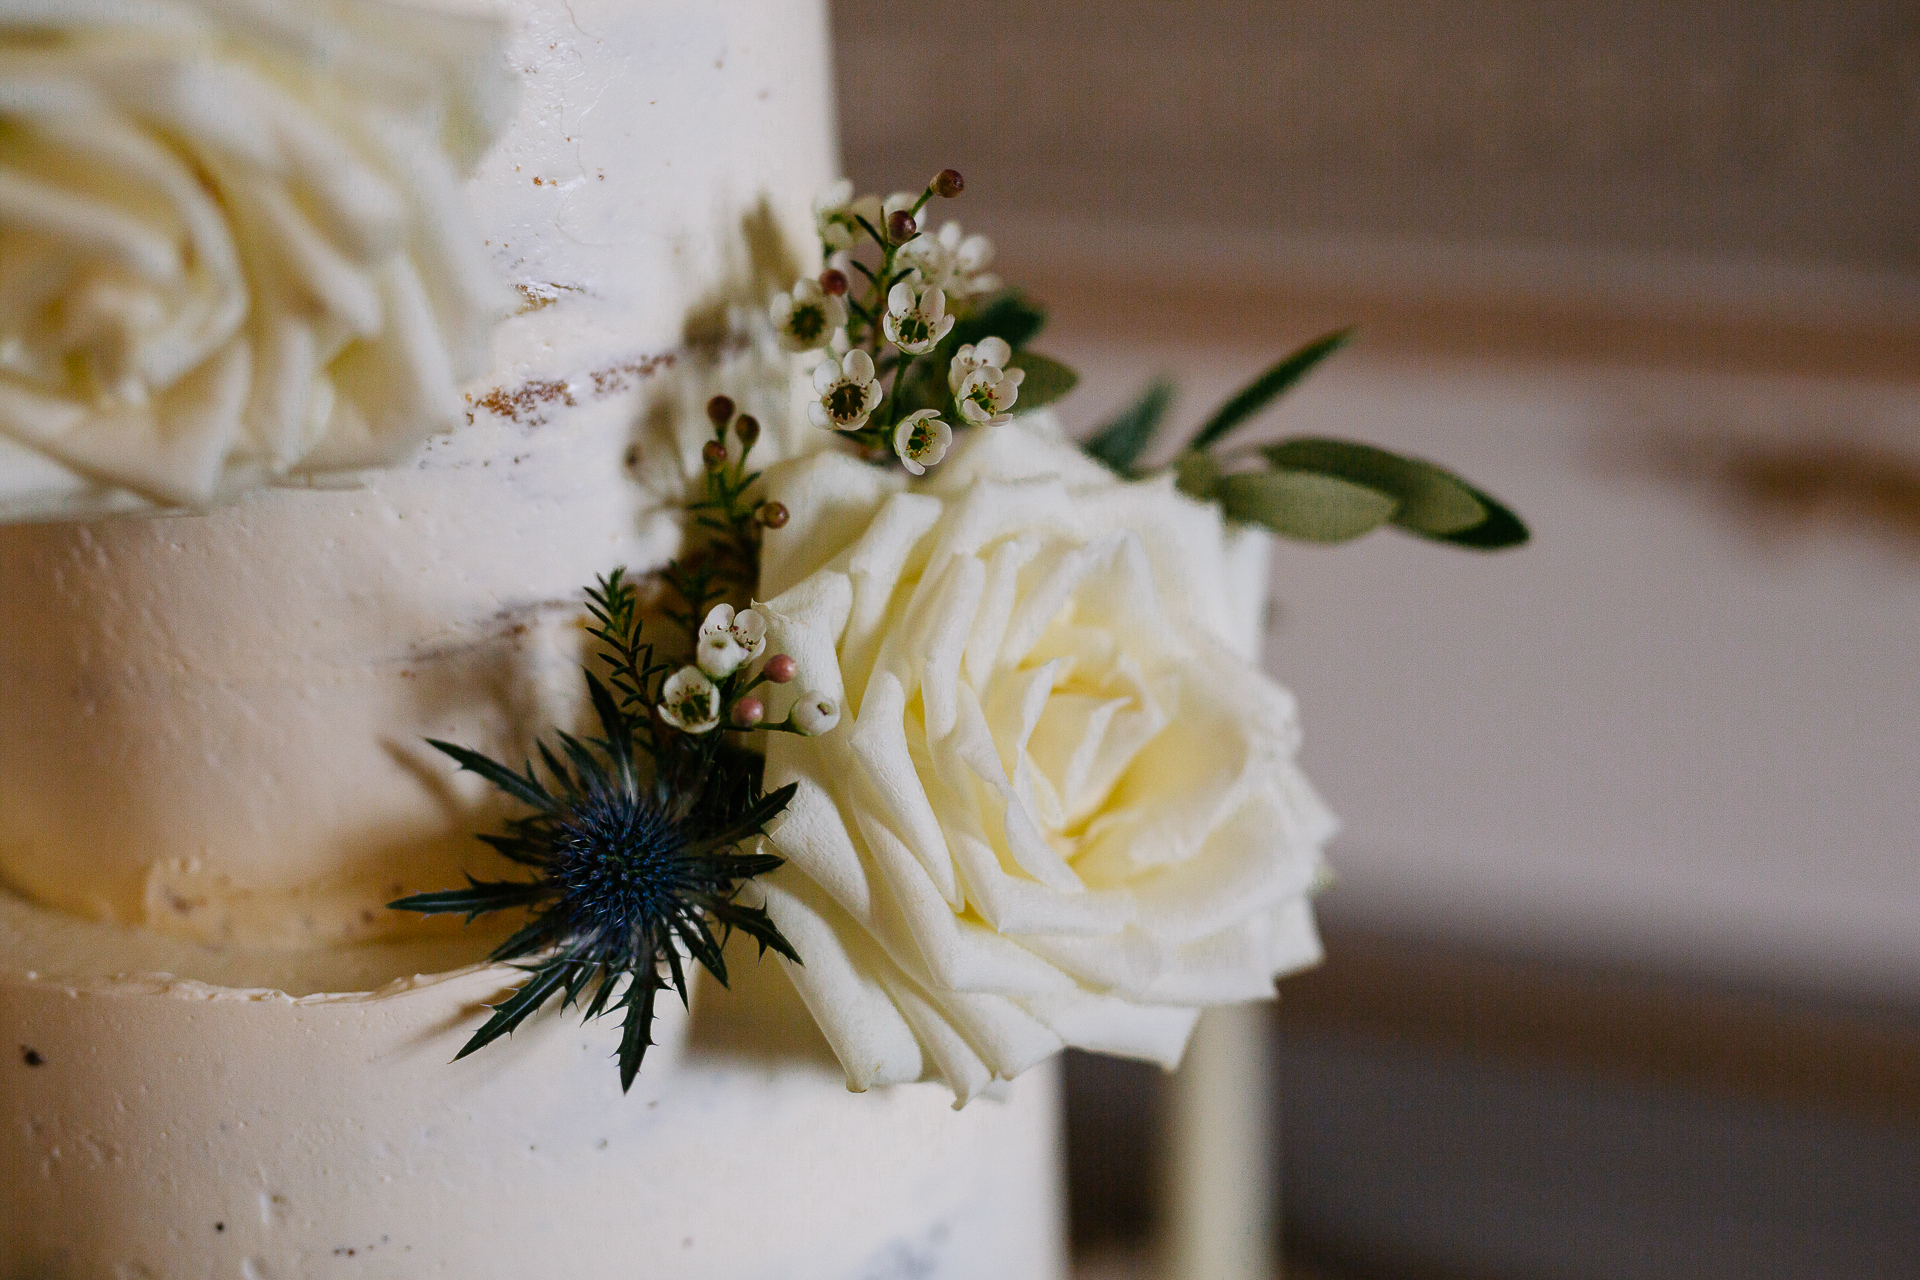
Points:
(506, 1016)
(1433, 502)
(1198, 475)
(1124, 438)
(1301, 504)
(1046, 381)
(1009, 316)
(478, 898)
(1266, 388)
(1501, 530)
(525, 789)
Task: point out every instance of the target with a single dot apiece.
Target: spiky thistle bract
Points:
(637, 865)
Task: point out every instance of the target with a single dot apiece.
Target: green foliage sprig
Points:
(1309, 488)
(637, 837)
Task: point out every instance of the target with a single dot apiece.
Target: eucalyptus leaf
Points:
(1124, 438)
(1433, 502)
(1009, 316)
(1269, 386)
(1304, 505)
(1046, 381)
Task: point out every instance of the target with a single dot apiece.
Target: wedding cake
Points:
(226, 1056)
(565, 704)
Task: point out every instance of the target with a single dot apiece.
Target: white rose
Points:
(1061, 807)
(232, 243)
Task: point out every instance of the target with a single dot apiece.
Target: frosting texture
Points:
(1061, 805)
(232, 243)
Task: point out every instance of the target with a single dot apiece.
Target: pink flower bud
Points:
(749, 712)
(781, 668)
(833, 282)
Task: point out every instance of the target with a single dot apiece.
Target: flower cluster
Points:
(636, 836)
(925, 346)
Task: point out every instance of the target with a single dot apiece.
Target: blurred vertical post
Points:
(1220, 1170)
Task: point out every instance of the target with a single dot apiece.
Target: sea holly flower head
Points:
(805, 320)
(916, 317)
(837, 214)
(846, 392)
(922, 440)
(690, 702)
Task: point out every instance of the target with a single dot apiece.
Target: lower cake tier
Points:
(164, 1127)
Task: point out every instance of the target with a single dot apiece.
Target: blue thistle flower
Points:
(630, 875)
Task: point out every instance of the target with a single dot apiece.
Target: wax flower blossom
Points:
(916, 317)
(921, 440)
(690, 702)
(952, 260)
(837, 214)
(728, 640)
(807, 318)
(983, 387)
(847, 392)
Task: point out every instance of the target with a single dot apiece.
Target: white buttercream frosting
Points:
(232, 244)
(1061, 806)
(213, 725)
(210, 744)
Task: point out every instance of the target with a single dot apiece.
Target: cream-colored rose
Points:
(1061, 806)
(232, 244)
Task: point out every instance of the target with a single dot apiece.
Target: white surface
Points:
(213, 725)
(172, 1132)
(1668, 731)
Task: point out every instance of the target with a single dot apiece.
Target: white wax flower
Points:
(232, 243)
(916, 317)
(982, 385)
(954, 261)
(845, 392)
(837, 214)
(1062, 807)
(806, 319)
(922, 440)
(727, 640)
(689, 701)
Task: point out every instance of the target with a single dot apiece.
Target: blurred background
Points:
(1624, 954)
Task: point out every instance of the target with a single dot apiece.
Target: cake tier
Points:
(213, 725)
(164, 1128)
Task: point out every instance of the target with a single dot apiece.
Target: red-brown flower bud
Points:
(901, 227)
(747, 427)
(948, 183)
(720, 412)
(714, 454)
(833, 281)
(772, 514)
(781, 668)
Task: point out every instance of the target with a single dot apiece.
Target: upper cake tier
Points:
(213, 724)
